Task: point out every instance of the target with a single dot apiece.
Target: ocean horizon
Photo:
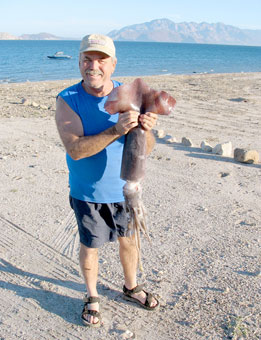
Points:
(26, 60)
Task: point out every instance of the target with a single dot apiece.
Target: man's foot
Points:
(140, 296)
(90, 314)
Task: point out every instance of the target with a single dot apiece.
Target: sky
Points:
(74, 19)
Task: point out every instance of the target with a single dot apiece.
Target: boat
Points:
(59, 55)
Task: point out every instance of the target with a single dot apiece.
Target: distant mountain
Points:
(39, 36)
(7, 36)
(165, 30)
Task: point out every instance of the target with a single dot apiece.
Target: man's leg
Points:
(129, 261)
(89, 267)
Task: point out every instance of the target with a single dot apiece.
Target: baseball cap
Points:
(99, 43)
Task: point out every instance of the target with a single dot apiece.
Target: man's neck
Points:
(98, 92)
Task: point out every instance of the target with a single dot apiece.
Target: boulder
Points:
(169, 139)
(224, 149)
(246, 156)
(206, 147)
(186, 141)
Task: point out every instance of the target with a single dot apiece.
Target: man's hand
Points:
(148, 120)
(127, 121)
(130, 119)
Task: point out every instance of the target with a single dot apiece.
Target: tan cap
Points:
(99, 43)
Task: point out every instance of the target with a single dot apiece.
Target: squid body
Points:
(140, 97)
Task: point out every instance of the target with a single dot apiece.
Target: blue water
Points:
(22, 60)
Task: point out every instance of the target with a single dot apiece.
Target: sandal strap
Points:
(135, 290)
(91, 299)
(94, 313)
(149, 299)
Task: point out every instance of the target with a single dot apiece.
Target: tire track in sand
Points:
(42, 293)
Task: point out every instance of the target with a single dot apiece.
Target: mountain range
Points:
(165, 30)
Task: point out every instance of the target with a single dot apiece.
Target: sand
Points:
(203, 214)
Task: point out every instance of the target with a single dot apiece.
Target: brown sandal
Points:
(127, 295)
(94, 313)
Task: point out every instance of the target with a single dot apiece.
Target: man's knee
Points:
(127, 242)
(86, 252)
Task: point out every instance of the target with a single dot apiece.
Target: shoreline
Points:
(138, 76)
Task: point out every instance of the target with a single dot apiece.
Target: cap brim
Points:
(103, 50)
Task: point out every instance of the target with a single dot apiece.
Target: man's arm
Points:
(77, 145)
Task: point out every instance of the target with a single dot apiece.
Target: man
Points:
(94, 140)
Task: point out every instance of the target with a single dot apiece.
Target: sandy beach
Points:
(204, 217)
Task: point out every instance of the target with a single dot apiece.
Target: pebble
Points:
(159, 133)
(127, 335)
(44, 107)
(224, 174)
(186, 141)
(169, 139)
(206, 147)
(246, 156)
(224, 149)
(26, 102)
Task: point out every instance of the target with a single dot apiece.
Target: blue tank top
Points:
(96, 178)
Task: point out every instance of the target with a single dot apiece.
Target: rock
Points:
(34, 104)
(224, 149)
(159, 133)
(206, 147)
(186, 141)
(169, 139)
(227, 290)
(246, 156)
(127, 335)
(43, 107)
(26, 102)
(224, 174)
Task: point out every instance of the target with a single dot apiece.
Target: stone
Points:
(186, 141)
(26, 102)
(224, 149)
(224, 174)
(169, 139)
(127, 335)
(43, 107)
(246, 156)
(206, 147)
(159, 133)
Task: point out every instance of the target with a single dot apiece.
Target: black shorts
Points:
(99, 222)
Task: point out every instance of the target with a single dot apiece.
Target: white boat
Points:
(59, 55)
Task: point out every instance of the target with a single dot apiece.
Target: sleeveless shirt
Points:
(96, 178)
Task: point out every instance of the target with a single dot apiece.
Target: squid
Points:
(140, 97)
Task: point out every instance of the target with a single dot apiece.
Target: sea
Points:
(26, 60)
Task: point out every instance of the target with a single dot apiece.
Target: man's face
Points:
(96, 69)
